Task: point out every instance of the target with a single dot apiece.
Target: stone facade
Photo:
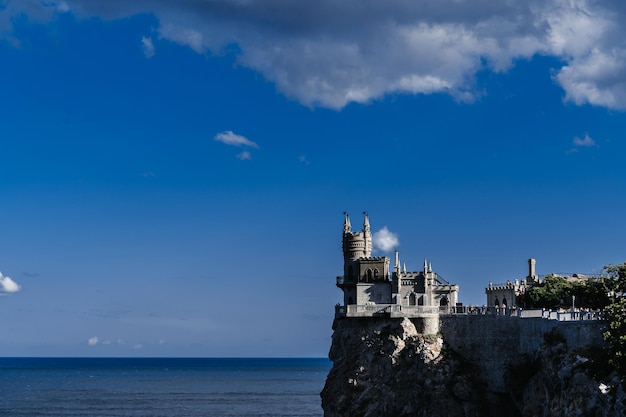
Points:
(367, 281)
(511, 293)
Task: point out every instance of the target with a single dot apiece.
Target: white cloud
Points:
(385, 240)
(244, 155)
(7, 285)
(148, 47)
(230, 138)
(92, 341)
(587, 141)
(303, 159)
(330, 53)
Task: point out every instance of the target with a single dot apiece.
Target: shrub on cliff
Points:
(615, 314)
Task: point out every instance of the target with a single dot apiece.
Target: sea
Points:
(162, 387)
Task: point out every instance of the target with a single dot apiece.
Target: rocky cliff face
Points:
(385, 367)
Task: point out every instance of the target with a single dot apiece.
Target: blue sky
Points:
(174, 175)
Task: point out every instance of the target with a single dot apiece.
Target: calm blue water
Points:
(150, 387)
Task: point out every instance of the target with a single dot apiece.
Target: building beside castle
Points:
(511, 293)
(370, 287)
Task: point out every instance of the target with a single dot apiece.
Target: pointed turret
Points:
(430, 267)
(404, 267)
(425, 266)
(396, 264)
(346, 223)
(367, 235)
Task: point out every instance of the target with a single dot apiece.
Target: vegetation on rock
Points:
(615, 314)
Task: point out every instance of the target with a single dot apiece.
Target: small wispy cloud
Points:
(93, 341)
(148, 47)
(303, 159)
(244, 155)
(62, 7)
(7, 285)
(579, 143)
(586, 141)
(233, 139)
(228, 137)
(385, 240)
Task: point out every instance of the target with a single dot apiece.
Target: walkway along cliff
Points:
(404, 346)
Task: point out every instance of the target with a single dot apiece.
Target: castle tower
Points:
(365, 278)
(356, 244)
(532, 276)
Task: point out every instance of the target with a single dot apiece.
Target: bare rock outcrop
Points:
(558, 382)
(386, 368)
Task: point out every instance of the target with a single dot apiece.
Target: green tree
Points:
(615, 315)
(555, 292)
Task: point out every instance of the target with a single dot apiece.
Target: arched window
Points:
(504, 302)
(420, 301)
(497, 303)
(412, 299)
(375, 273)
(368, 275)
(443, 302)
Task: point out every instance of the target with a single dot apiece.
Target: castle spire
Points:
(430, 267)
(346, 223)
(425, 265)
(396, 264)
(367, 235)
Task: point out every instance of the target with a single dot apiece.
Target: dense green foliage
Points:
(555, 292)
(615, 314)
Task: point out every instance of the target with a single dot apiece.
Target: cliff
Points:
(386, 367)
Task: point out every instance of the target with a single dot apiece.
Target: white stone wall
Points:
(379, 293)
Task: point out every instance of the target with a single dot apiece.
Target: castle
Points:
(369, 289)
